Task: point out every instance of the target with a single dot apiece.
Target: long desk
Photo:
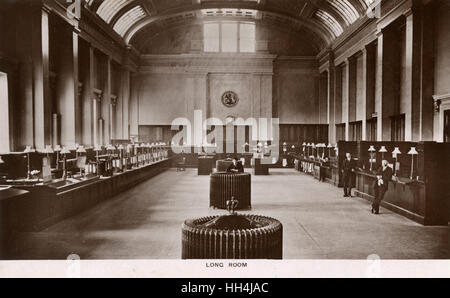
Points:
(410, 198)
(51, 203)
(9, 217)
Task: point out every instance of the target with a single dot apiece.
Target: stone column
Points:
(419, 74)
(369, 80)
(331, 104)
(125, 93)
(345, 97)
(42, 110)
(96, 107)
(352, 91)
(387, 85)
(67, 88)
(135, 82)
(364, 86)
(106, 102)
(88, 117)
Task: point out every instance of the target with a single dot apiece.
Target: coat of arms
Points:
(230, 99)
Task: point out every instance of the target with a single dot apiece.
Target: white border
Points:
(254, 269)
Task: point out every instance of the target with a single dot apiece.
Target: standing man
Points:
(324, 166)
(384, 175)
(348, 169)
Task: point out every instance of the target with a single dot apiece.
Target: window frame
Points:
(221, 38)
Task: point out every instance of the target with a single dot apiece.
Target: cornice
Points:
(207, 63)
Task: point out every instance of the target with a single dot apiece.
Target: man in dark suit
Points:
(324, 166)
(384, 175)
(348, 169)
(236, 167)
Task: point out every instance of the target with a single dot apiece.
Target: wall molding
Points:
(207, 63)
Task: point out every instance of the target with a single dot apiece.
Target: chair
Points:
(181, 165)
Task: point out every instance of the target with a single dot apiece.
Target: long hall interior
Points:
(218, 129)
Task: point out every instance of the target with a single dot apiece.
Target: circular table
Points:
(232, 237)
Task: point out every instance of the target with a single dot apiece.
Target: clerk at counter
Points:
(235, 167)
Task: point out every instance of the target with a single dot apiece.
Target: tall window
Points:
(340, 132)
(247, 38)
(356, 131)
(398, 128)
(4, 114)
(211, 34)
(229, 37)
(371, 129)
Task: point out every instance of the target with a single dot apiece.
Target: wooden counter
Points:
(9, 217)
(410, 198)
(51, 203)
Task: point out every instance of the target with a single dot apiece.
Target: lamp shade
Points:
(57, 148)
(396, 151)
(98, 148)
(383, 149)
(81, 149)
(372, 149)
(48, 149)
(413, 151)
(28, 149)
(304, 144)
(110, 147)
(293, 147)
(330, 146)
(65, 151)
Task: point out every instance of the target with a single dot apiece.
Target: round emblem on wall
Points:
(230, 99)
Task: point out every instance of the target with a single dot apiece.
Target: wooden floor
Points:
(145, 223)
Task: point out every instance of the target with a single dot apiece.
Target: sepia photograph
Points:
(224, 139)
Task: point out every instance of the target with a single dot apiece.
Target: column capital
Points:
(113, 100)
(408, 12)
(46, 9)
(98, 94)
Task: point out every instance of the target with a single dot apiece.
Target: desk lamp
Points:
(80, 151)
(57, 149)
(27, 151)
(383, 150)
(64, 152)
(412, 152)
(395, 155)
(372, 160)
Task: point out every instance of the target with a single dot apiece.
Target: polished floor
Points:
(145, 223)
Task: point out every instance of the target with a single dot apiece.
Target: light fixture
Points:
(48, 150)
(57, 149)
(383, 150)
(81, 149)
(64, 152)
(412, 152)
(395, 155)
(372, 159)
(27, 151)
(97, 149)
